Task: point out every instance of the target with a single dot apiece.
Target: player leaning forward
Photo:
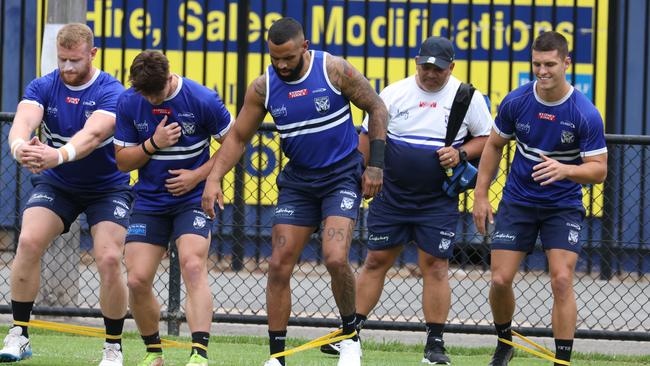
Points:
(76, 173)
(560, 145)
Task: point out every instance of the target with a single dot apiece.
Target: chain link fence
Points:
(612, 282)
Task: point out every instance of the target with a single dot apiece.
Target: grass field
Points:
(57, 349)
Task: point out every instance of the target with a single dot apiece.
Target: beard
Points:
(294, 74)
(73, 79)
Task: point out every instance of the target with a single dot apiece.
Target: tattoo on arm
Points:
(259, 85)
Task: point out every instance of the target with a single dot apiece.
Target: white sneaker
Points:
(17, 346)
(272, 362)
(112, 355)
(350, 353)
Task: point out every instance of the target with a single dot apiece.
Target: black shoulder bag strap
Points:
(459, 109)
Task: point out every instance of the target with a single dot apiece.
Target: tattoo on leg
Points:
(280, 241)
(343, 289)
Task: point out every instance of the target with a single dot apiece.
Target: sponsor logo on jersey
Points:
(378, 238)
(277, 112)
(119, 212)
(72, 100)
(141, 126)
(498, 235)
(89, 103)
(199, 222)
(298, 93)
(568, 124)
(40, 197)
(523, 127)
(186, 115)
(567, 137)
(450, 234)
(162, 111)
(284, 211)
(319, 90)
(444, 244)
(546, 116)
(425, 104)
(574, 225)
(401, 115)
(347, 203)
(322, 104)
(189, 128)
(347, 192)
(573, 237)
(137, 229)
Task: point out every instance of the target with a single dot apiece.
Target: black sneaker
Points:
(502, 355)
(434, 353)
(331, 348)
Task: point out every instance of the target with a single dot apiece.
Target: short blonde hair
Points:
(74, 34)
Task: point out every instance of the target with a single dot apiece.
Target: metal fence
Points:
(612, 281)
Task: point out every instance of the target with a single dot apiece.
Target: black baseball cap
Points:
(437, 51)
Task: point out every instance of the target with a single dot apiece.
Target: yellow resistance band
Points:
(90, 332)
(544, 354)
(326, 339)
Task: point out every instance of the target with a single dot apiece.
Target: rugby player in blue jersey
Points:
(76, 173)
(308, 94)
(164, 125)
(560, 146)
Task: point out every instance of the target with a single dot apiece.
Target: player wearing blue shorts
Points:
(164, 125)
(308, 93)
(560, 145)
(412, 205)
(76, 173)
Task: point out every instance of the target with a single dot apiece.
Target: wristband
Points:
(15, 144)
(60, 157)
(145, 149)
(377, 153)
(72, 152)
(153, 144)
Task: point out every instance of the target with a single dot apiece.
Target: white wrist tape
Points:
(15, 144)
(72, 152)
(60, 157)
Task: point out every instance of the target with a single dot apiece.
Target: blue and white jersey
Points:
(66, 109)
(417, 127)
(200, 113)
(566, 131)
(312, 117)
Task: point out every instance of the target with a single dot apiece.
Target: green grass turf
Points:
(58, 349)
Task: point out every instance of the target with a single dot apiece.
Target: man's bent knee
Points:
(562, 285)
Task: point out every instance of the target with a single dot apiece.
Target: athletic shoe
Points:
(434, 353)
(153, 359)
(502, 355)
(112, 355)
(16, 346)
(197, 360)
(350, 353)
(272, 362)
(331, 348)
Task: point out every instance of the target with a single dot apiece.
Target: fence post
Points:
(239, 204)
(174, 307)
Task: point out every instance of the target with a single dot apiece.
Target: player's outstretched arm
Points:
(487, 169)
(246, 124)
(28, 117)
(359, 91)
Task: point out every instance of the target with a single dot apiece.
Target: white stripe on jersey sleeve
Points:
(225, 130)
(498, 131)
(33, 102)
(593, 152)
(124, 143)
(102, 111)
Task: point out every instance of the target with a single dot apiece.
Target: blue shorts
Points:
(112, 205)
(517, 227)
(389, 227)
(308, 196)
(159, 228)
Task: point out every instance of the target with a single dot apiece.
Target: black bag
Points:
(464, 174)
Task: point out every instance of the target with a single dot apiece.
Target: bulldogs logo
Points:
(322, 104)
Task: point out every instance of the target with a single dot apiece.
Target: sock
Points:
(22, 312)
(114, 327)
(360, 321)
(504, 331)
(563, 349)
(153, 342)
(200, 338)
(349, 325)
(277, 339)
(434, 331)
